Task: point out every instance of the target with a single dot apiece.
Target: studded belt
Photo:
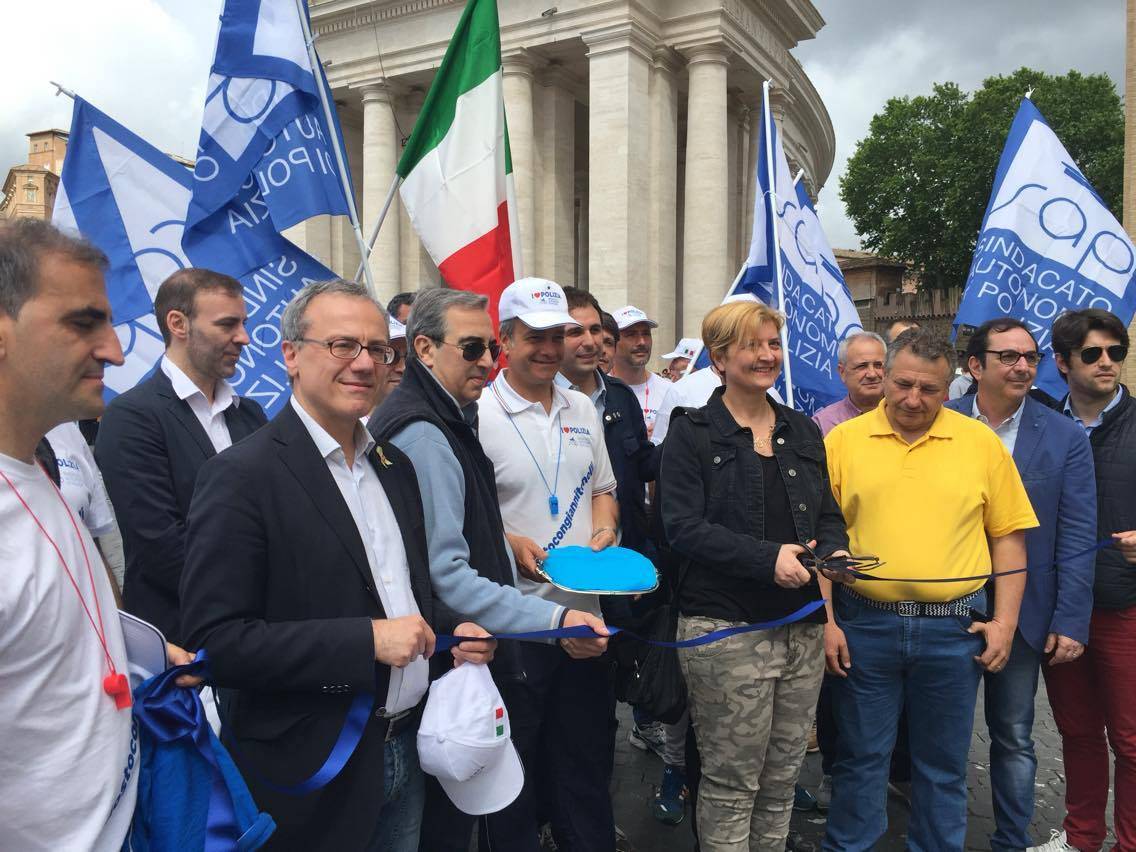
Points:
(913, 609)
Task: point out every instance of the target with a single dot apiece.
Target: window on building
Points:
(31, 193)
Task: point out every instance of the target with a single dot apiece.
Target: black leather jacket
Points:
(710, 495)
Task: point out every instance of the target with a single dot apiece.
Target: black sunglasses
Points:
(473, 350)
(1010, 357)
(1091, 354)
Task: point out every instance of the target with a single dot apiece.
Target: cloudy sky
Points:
(145, 62)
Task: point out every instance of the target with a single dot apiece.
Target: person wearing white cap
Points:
(556, 488)
(632, 354)
(678, 360)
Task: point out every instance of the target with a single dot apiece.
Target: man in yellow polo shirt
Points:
(935, 495)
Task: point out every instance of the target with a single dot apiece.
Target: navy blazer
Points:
(1056, 465)
(278, 590)
(149, 449)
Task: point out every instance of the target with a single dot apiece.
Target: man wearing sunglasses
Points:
(432, 417)
(1055, 462)
(1095, 694)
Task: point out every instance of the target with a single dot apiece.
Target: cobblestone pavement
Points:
(637, 773)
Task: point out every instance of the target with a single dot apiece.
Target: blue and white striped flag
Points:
(1048, 244)
(264, 138)
(131, 200)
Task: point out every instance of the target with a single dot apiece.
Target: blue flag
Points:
(818, 307)
(264, 138)
(1048, 244)
(131, 200)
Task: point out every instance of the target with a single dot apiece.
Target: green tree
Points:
(917, 185)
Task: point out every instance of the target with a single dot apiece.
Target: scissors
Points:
(852, 565)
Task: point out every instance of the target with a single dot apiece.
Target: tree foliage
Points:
(917, 185)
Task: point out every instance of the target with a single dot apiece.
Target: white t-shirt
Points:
(68, 756)
(572, 432)
(691, 391)
(650, 395)
(80, 480)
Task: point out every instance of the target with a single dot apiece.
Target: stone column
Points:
(582, 241)
(745, 168)
(517, 68)
(662, 210)
(705, 269)
(380, 157)
(418, 270)
(734, 154)
(752, 141)
(556, 186)
(619, 70)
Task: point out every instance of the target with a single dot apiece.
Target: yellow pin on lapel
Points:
(383, 460)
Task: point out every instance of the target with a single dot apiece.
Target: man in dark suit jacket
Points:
(155, 437)
(307, 581)
(1055, 461)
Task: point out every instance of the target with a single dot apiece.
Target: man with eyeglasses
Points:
(920, 635)
(432, 417)
(154, 438)
(306, 582)
(1055, 462)
(1094, 696)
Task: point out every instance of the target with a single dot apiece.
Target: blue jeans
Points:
(404, 792)
(926, 665)
(1013, 765)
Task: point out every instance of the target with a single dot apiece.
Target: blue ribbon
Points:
(168, 712)
(443, 641)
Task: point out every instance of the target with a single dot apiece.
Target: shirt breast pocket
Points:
(721, 468)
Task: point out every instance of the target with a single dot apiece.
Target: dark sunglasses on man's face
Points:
(473, 350)
(1091, 354)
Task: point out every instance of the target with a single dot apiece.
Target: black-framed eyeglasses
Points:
(474, 349)
(1010, 357)
(1091, 354)
(347, 349)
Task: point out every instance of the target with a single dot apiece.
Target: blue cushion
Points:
(612, 571)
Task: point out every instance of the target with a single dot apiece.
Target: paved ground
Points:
(637, 773)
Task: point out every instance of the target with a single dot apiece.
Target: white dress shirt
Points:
(378, 528)
(1007, 430)
(211, 416)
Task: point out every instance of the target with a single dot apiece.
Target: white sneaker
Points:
(1057, 842)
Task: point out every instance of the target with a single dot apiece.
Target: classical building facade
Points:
(633, 129)
(29, 189)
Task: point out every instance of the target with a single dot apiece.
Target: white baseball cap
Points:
(630, 315)
(740, 297)
(397, 329)
(464, 741)
(685, 349)
(537, 302)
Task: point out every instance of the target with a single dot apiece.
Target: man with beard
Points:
(155, 437)
(632, 354)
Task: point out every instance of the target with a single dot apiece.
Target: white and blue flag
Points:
(263, 134)
(818, 307)
(131, 200)
(1048, 244)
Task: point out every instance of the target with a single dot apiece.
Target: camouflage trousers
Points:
(752, 699)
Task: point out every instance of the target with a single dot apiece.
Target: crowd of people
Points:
(904, 550)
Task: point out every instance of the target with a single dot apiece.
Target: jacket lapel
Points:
(184, 415)
(1030, 432)
(299, 454)
(406, 503)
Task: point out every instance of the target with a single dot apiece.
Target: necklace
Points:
(115, 683)
(761, 443)
(553, 500)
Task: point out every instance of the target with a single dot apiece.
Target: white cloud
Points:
(143, 62)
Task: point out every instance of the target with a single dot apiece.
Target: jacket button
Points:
(802, 507)
(792, 472)
(780, 440)
(717, 459)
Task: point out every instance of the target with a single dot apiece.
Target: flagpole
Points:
(395, 184)
(768, 119)
(336, 144)
(701, 345)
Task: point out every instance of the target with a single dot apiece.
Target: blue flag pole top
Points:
(1048, 244)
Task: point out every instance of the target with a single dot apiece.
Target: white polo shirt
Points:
(650, 395)
(571, 432)
(211, 415)
(386, 555)
(80, 480)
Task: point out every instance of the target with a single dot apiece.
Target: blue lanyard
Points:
(553, 502)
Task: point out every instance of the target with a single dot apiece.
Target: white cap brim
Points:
(491, 790)
(647, 322)
(672, 355)
(541, 320)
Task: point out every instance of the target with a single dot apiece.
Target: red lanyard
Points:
(115, 684)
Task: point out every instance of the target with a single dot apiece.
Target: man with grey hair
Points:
(920, 641)
(432, 417)
(860, 363)
(306, 580)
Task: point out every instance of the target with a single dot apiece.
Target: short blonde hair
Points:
(735, 322)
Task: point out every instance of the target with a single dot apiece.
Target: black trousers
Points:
(562, 718)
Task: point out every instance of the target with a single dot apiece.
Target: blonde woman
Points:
(743, 484)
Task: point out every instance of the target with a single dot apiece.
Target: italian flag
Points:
(457, 175)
